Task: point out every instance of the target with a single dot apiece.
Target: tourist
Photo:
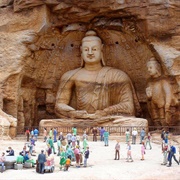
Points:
(148, 140)
(142, 150)
(32, 132)
(117, 149)
(69, 152)
(49, 150)
(68, 137)
(163, 135)
(166, 135)
(20, 159)
(129, 155)
(61, 137)
(59, 147)
(142, 135)
(41, 161)
(84, 136)
(171, 155)
(102, 130)
(73, 140)
(106, 138)
(94, 132)
(55, 134)
(45, 134)
(27, 133)
(77, 155)
(62, 158)
(86, 156)
(50, 142)
(23, 152)
(36, 133)
(78, 139)
(81, 152)
(165, 150)
(28, 159)
(10, 151)
(32, 145)
(127, 133)
(67, 164)
(51, 133)
(2, 160)
(74, 131)
(85, 144)
(134, 135)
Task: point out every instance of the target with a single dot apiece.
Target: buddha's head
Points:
(154, 68)
(91, 49)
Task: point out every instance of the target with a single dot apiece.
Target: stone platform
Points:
(113, 121)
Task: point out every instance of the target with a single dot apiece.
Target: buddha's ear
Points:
(102, 59)
(102, 45)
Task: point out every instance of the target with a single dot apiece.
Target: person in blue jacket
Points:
(36, 133)
(171, 155)
(55, 135)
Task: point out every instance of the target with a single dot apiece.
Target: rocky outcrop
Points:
(8, 126)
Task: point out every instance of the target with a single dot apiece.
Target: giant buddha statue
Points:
(95, 90)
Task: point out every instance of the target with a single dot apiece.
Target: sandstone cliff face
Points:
(40, 40)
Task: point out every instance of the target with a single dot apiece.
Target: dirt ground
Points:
(101, 164)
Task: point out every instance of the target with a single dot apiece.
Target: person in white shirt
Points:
(134, 135)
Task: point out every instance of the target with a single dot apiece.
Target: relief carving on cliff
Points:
(161, 95)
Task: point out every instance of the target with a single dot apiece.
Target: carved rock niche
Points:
(58, 51)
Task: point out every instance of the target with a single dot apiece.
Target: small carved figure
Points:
(160, 95)
(99, 90)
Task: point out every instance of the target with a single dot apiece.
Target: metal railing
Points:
(118, 130)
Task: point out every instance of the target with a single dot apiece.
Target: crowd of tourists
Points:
(73, 148)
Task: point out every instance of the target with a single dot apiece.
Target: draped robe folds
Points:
(111, 91)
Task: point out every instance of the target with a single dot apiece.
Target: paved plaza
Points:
(101, 164)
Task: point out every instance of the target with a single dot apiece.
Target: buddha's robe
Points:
(108, 89)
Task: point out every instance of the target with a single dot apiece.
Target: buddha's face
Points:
(152, 69)
(91, 51)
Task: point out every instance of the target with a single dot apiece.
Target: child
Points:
(142, 150)
(67, 164)
(117, 148)
(129, 152)
(86, 156)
